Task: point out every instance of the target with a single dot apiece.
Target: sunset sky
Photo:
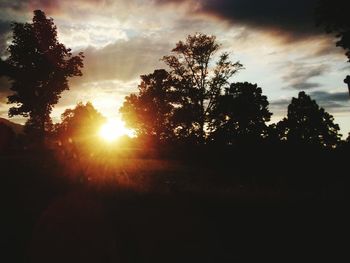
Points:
(276, 41)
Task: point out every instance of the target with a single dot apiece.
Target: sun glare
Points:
(114, 129)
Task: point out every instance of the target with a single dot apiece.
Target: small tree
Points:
(42, 66)
(307, 123)
(240, 114)
(197, 82)
(79, 124)
(149, 112)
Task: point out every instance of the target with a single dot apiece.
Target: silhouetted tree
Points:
(347, 140)
(196, 89)
(6, 69)
(41, 67)
(79, 125)
(334, 16)
(240, 114)
(307, 123)
(274, 133)
(7, 137)
(149, 112)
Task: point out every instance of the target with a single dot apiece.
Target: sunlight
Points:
(114, 129)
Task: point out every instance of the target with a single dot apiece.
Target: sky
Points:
(277, 42)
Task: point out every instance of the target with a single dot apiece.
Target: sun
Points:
(114, 129)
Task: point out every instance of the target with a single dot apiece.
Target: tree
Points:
(197, 83)
(240, 114)
(149, 112)
(79, 127)
(348, 138)
(333, 15)
(5, 69)
(80, 124)
(42, 66)
(7, 137)
(307, 123)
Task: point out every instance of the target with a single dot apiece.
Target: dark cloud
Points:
(327, 96)
(294, 18)
(5, 34)
(30, 5)
(334, 102)
(299, 75)
(306, 85)
(331, 101)
(5, 26)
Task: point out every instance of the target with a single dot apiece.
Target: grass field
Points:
(115, 208)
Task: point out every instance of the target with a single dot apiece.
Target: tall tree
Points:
(307, 123)
(333, 15)
(197, 82)
(149, 112)
(42, 66)
(240, 114)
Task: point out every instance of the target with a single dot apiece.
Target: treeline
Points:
(192, 102)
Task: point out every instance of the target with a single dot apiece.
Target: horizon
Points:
(122, 40)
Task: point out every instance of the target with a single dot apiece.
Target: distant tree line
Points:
(195, 103)
(192, 102)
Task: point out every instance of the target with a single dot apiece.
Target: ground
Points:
(145, 209)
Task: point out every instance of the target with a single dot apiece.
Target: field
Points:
(112, 207)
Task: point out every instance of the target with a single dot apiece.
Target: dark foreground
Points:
(232, 209)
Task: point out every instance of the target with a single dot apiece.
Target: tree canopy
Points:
(240, 114)
(198, 82)
(79, 124)
(41, 67)
(333, 15)
(307, 123)
(177, 103)
(149, 112)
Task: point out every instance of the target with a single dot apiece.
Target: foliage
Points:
(149, 111)
(307, 123)
(333, 15)
(197, 83)
(80, 124)
(240, 114)
(7, 137)
(41, 67)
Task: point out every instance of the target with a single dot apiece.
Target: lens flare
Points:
(114, 129)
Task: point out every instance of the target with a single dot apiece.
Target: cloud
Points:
(299, 74)
(335, 102)
(46, 5)
(5, 33)
(124, 60)
(323, 46)
(305, 85)
(330, 96)
(294, 18)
